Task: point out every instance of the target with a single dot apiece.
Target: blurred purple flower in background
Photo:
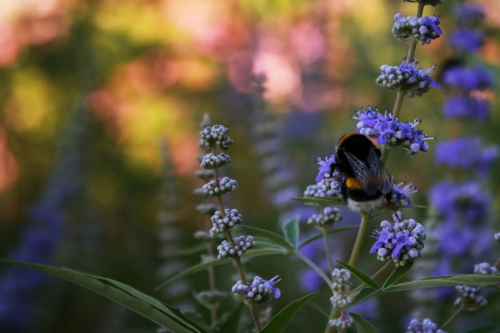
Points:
(468, 79)
(466, 107)
(466, 153)
(466, 41)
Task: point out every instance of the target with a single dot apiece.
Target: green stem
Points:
(365, 219)
(315, 268)
(327, 249)
(401, 93)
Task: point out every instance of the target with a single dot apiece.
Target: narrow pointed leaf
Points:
(191, 250)
(158, 313)
(318, 309)
(360, 275)
(279, 322)
(363, 295)
(291, 231)
(232, 322)
(319, 236)
(273, 237)
(321, 201)
(216, 262)
(362, 324)
(486, 329)
(397, 275)
(446, 281)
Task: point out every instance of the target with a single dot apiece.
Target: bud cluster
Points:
(400, 195)
(222, 224)
(423, 29)
(341, 286)
(485, 268)
(468, 298)
(259, 291)
(215, 136)
(399, 242)
(427, 326)
(211, 161)
(406, 77)
(236, 248)
(225, 185)
(329, 216)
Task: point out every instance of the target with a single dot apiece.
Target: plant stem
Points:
(452, 318)
(314, 267)
(237, 260)
(365, 219)
(211, 274)
(255, 318)
(327, 249)
(401, 93)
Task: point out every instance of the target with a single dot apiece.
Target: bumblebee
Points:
(367, 182)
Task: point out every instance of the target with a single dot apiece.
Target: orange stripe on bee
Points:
(352, 182)
(348, 135)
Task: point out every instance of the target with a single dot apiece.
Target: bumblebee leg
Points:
(332, 169)
(391, 206)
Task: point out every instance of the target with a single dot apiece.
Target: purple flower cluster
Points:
(324, 166)
(406, 77)
(466, 153)
(468, 79)
(427, 326)
(399, 241)
(390, 130)
(466, 107)
(466, 41)
(259, 291)
(464, 209)
(423, 29)
(400, 195)
(469, 15)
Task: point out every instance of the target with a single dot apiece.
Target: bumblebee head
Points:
(357, 144)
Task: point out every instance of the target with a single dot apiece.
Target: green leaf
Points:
(363, 295)
(362, 324)
(359, 274)
(318, 236)
(397, 275)
(320, 201)
(274, 238)
(319, 309)
(445, 281)
(125, 295)
(232, 322)
(486, 329)
(216, 262)
(291, 231)
(191, 250)
(279, 322)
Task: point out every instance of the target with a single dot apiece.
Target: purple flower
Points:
(400, 242)
(324, 166)
(466, 107)
(259, 291)
(466, 153)
(467, 41)
(391, 131)
(400, 196)
(457, 202)
(468, 79)
(423, 29)
(406, 77)
(469, 15)
(383, 238)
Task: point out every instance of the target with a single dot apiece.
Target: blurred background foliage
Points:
(90, 89)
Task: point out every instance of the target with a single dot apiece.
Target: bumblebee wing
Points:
(383, 177)
(371, 176)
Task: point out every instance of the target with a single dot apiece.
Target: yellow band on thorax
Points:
(352, 182)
